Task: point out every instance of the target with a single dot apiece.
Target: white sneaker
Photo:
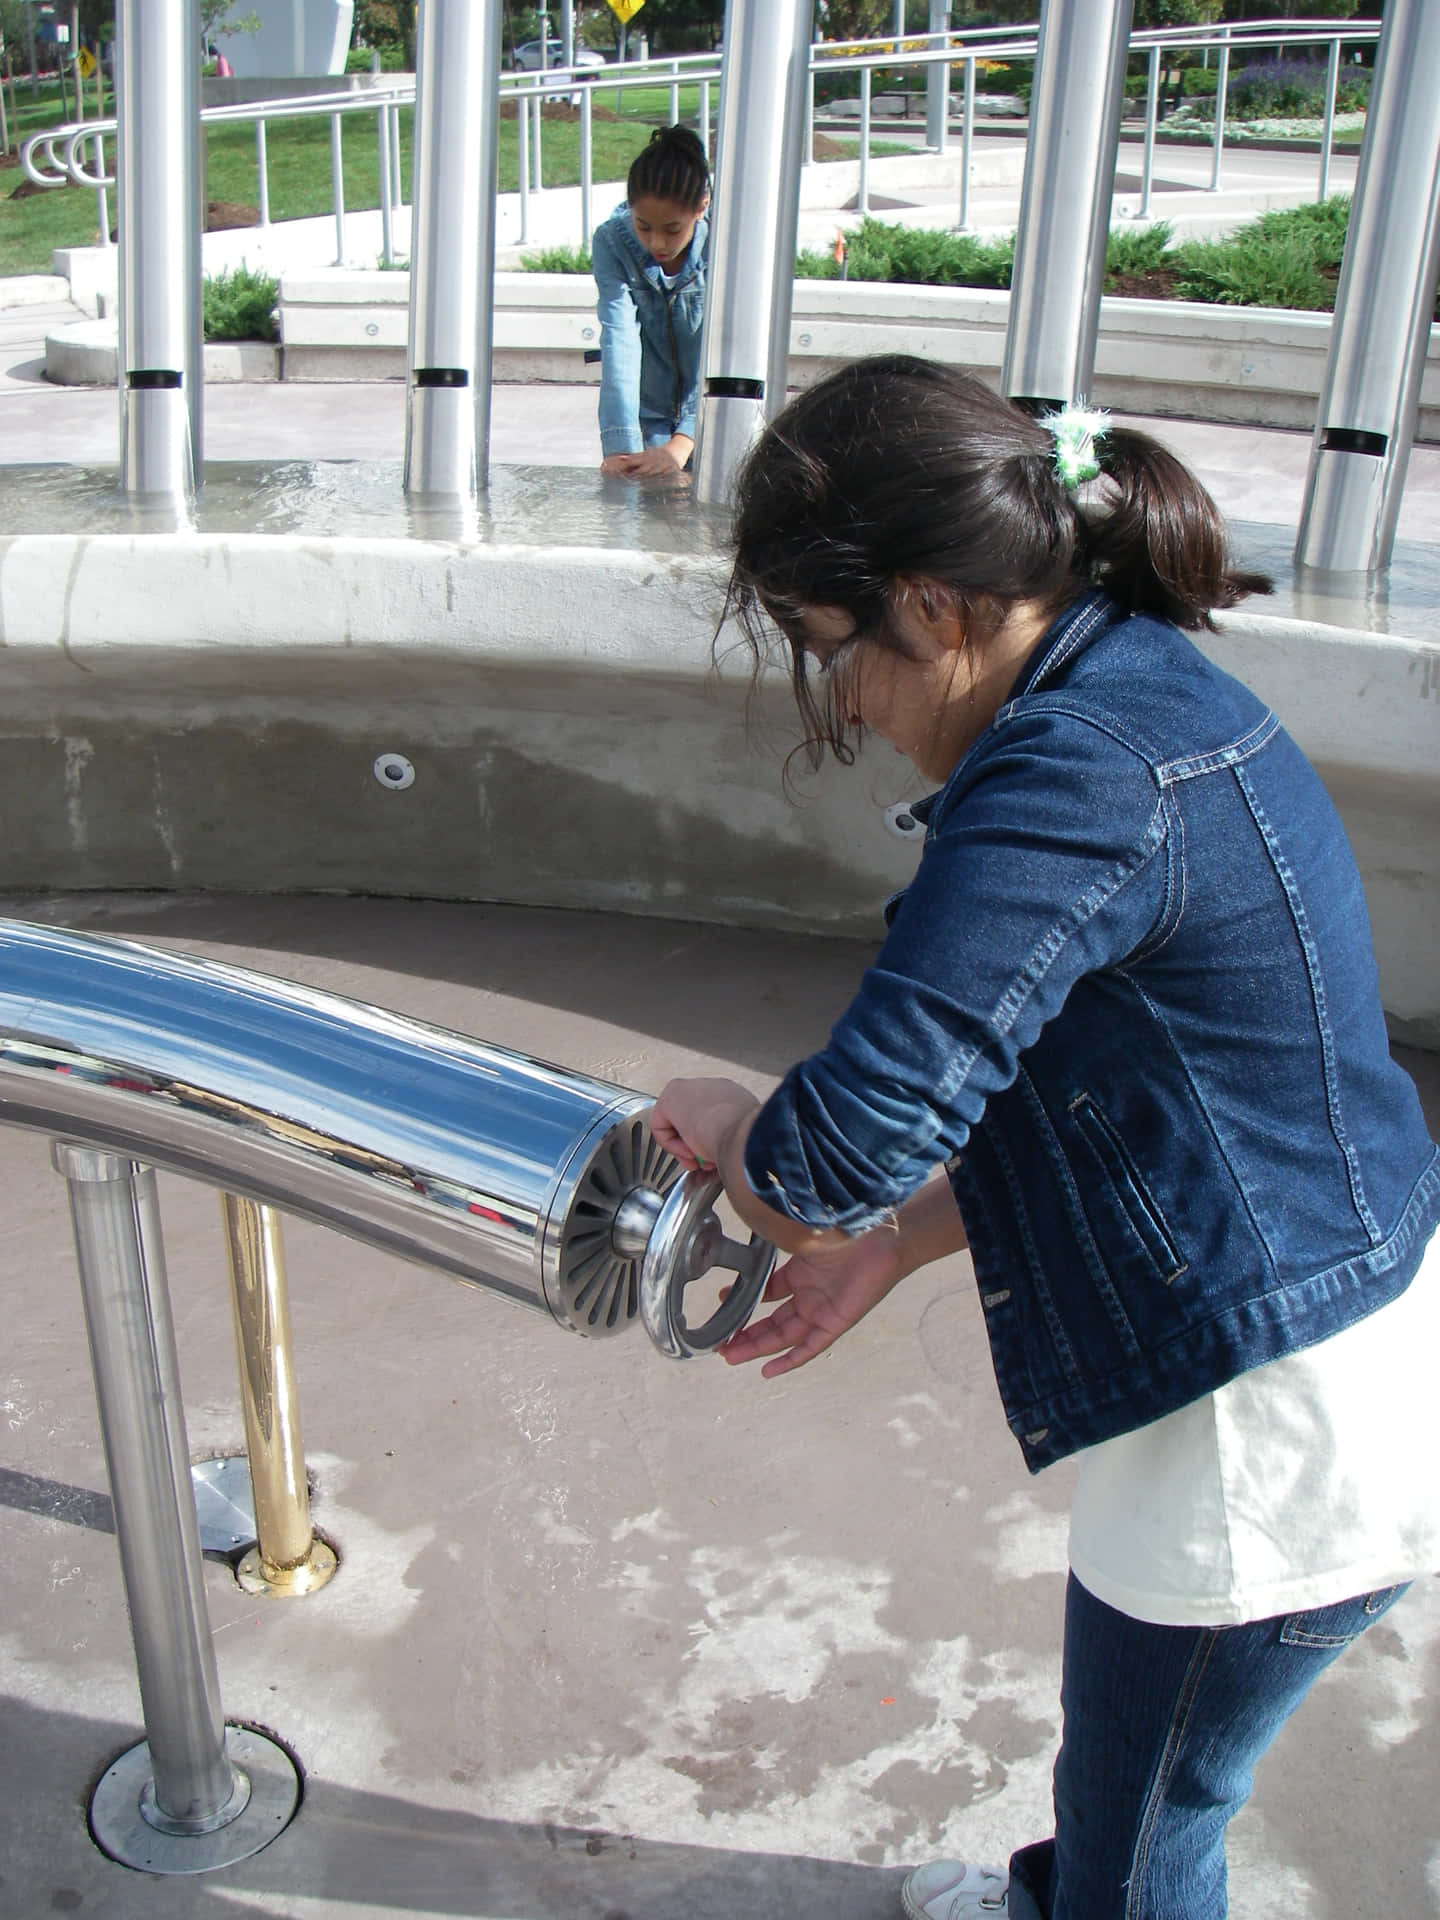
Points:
(950, 1890)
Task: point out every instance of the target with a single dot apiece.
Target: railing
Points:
(60, 154)
(522, 1178)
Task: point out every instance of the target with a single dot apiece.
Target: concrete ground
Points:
(613, 1638)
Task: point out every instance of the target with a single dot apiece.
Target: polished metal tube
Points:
(1383, 306)
(746, 348)
(1065, 200)
(967, 144)
(488, 1164)
(119, 1249)
(158, 162)
(337, 184)
(287, 1558)
(452, 253)
(937, 84)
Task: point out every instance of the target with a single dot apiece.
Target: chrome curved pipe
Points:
(499, 1169)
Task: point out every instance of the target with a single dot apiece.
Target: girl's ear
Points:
(931, 607)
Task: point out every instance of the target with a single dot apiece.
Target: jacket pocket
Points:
(1136, 1202)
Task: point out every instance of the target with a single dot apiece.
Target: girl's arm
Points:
(619, 354)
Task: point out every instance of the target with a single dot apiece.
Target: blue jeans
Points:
(1162, 1728)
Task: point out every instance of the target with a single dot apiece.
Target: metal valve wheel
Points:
(679, 1238)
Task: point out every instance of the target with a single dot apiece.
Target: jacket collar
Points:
(1082, 622)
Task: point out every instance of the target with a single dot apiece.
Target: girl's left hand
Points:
(695, 1119)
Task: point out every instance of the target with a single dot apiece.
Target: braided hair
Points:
(671, 167)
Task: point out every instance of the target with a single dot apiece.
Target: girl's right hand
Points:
(822, 1294)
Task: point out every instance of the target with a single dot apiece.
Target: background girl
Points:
(650, 259)
(1128, 1010)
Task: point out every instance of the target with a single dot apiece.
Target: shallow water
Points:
(365, 499)
(576, 507)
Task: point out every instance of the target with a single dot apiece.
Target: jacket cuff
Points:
(620, 440)
(776, 1172)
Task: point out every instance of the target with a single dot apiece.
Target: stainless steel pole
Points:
(746, 348)
(262, 173)
(1152, 113)
(337, 185)
(1327, 138)
(587, 164)
(674, 93)
(862, 191)
(1065, 201)
(567, 31)
(1383, 307)
(387, 209)
(705, 116)
(191, 1796)
(522, 155)
(1222, 89)
(967, 143)
(158, 181)
(937, 83)
(452, 255)
(119, 1249)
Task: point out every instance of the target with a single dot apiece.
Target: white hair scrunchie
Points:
(1076, 428)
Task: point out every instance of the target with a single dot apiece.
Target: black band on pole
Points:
(722, 387)
(1031, 403)
(150, 379)
(1353, 440)
(442, 377)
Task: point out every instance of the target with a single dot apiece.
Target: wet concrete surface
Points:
(613, 1637)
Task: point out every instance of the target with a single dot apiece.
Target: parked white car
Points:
(527, 55)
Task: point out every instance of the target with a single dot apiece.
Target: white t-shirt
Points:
(1306, 1481)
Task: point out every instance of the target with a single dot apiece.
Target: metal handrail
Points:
(962, 45)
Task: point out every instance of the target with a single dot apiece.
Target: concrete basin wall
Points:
(206, 710)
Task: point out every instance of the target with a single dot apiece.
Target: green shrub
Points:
(1136, 250)
(239, 304)
(916, 257)
(557, 260)
(392, 59)
(1251, 269)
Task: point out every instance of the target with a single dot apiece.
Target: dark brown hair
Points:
(896, 471)
(671, 167)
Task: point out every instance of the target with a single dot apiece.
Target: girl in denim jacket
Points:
(650, 259)
(1124, 1041)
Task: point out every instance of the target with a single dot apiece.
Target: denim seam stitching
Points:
(1154, 1800)
(1210, 1127)
(1319, 1003)
(1069, 641)
(1012, 1001)
(1219, 758)
(1115, 1312)
(1176, 891)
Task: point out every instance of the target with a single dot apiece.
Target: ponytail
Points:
(671, 167)
(1154, 539)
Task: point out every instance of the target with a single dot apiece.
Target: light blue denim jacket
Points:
(1130, 1000)
(649, 338)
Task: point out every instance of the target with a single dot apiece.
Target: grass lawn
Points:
(298, 153)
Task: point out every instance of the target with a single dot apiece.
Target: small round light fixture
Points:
(394, 772)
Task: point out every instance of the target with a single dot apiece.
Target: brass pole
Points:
(287, 1558)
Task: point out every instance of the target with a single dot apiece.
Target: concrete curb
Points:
(85, 353)
(1253, 366)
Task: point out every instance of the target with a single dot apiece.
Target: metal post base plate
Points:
(121, 1829)
(313, 1572)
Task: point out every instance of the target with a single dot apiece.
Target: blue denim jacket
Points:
(649, 339)
(1130, 999)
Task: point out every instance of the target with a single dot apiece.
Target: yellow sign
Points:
(86, 62)
(624, 10)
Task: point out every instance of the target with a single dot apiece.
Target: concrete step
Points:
(33, 290)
